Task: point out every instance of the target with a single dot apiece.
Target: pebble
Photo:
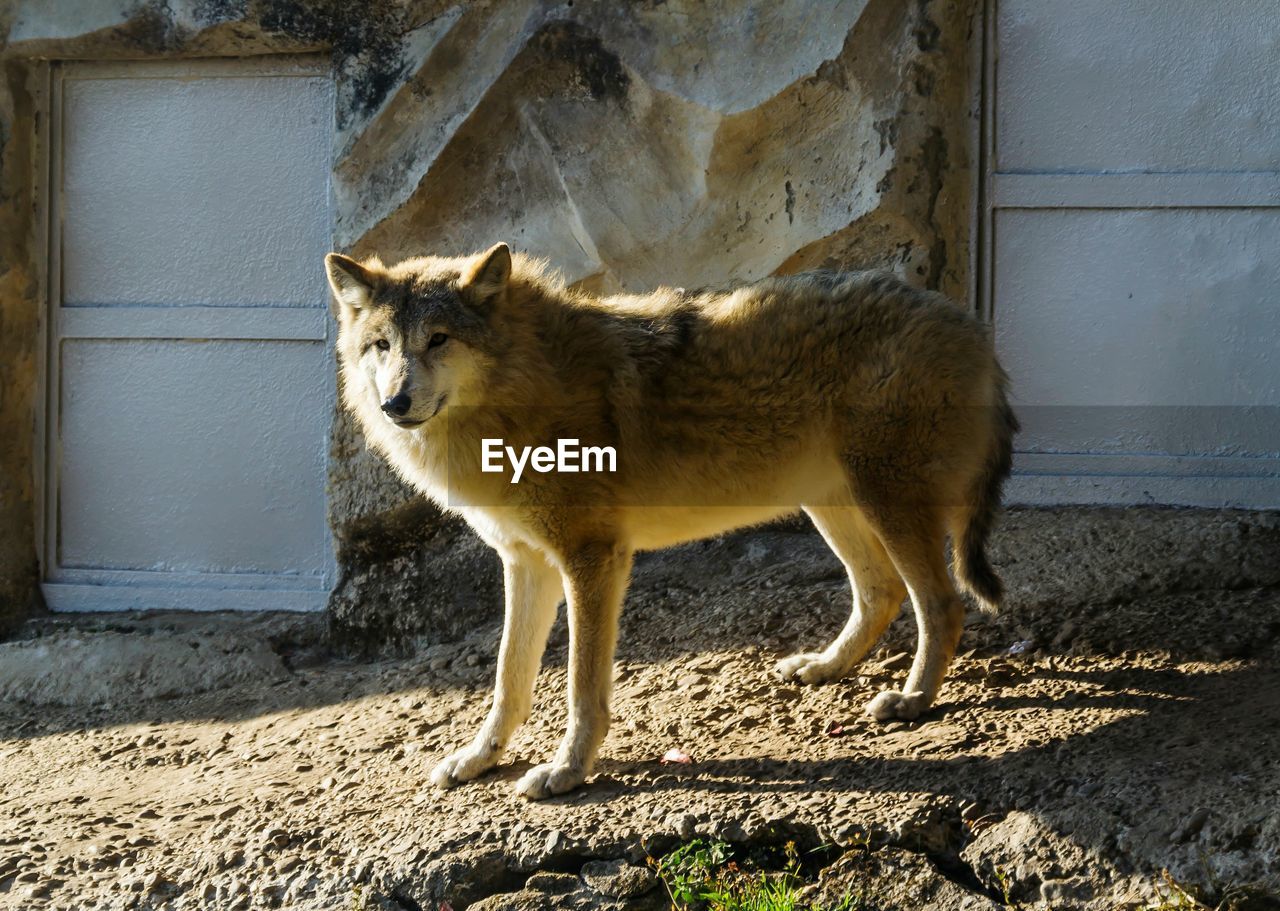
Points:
(1190, 827)
(897, 662)
(727, 829)
(683, 824)
(551, 883)
(555, 842)
(617, 878)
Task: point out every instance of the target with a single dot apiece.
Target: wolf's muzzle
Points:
(397, 406)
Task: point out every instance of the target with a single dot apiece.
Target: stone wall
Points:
(630, 143)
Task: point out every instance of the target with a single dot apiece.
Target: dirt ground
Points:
(1075, 755)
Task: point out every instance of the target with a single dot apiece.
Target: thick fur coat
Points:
(877, 409)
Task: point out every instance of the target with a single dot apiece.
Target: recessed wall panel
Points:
(193, 457)
(1141, 331)
(1139, 85)
(195, 191)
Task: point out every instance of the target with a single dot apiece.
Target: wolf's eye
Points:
(382, 345)
(437, 340)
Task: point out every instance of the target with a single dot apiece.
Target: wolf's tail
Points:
(969, 546)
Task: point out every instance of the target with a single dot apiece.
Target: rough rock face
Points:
(630, 144)
(682, 143)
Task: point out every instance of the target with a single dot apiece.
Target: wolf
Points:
(877, 409)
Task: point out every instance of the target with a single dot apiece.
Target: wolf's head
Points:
(414, 338)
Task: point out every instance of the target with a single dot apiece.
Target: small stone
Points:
(683, 824)
(555, 843)
(1190, 827)
(1059, 893)
(551, 883)
(728, 830)
(896, 662)
(617, 878)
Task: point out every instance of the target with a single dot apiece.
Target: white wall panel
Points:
(193, 456)
(1132, 223)
(1139, 85)
(195, 191)
(1141, 331)
(189, 376)
(1139, 306)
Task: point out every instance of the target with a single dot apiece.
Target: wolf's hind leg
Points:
(915, 541)
(533, 590)
(595, 581)
(877, 595)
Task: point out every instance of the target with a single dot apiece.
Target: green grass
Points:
(707, 876)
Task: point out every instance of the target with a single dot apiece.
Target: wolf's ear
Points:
(351, 282)
(488, 276)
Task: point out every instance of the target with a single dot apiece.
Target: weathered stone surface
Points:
(75, 669)
(1036, 864)
(412, 577)
(618, 879)
(602, 885)
(19, 328)
(680, 143)
(893, 879)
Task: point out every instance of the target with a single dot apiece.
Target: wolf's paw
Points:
(463, 765)
(892, 705)
(810, 667)
(549, 779)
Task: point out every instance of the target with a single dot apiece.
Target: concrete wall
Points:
(629, 143)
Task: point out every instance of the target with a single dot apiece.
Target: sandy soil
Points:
(1073, 758)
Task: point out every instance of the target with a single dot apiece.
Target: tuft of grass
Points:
(1173, 896)
(707, 876)
(1004, 882)
(359, 902)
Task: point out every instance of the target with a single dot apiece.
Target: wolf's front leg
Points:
(533, 589)
(595, 582)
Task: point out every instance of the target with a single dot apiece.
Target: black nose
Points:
(397, 405)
